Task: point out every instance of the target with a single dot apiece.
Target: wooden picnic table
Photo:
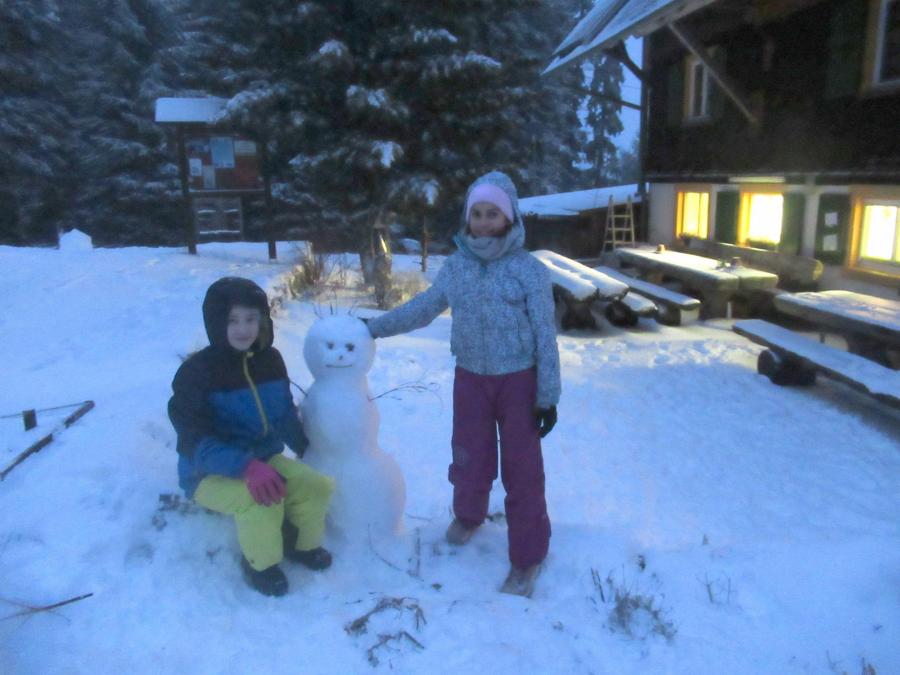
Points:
(871, 325)
(715, 281)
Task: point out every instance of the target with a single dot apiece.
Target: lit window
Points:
(761, 215)
(693, 215)
(880, 238)
(887, 42)
(697, 100)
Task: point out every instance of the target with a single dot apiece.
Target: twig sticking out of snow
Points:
(360, 625)
(416, 570)
(378, 555)
(30, 609)
(384, 638)
(418, 386)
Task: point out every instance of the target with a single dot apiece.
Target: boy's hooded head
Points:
(230, 292)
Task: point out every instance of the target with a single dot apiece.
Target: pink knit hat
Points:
(493, 194)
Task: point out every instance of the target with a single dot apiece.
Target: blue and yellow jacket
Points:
(231, 406)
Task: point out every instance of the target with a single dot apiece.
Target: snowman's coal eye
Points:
(330, 345)
(350, 346)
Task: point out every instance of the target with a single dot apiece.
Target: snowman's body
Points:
(342, 424)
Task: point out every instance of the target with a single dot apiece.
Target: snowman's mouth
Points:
(349, 365)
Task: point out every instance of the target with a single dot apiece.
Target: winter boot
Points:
(270, 581)
(314, 559)
(459, 533)
(521, 582)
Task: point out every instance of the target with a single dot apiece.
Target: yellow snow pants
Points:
(259, 527)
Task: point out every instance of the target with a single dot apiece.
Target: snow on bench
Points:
(577, 286)
(675, 308)
(793, 358)
(580, 280)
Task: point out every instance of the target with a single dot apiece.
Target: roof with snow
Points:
(574, 203)
(189, 110)
(611, 21)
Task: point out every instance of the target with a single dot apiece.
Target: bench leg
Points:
(784, 370)
(577, 314)
(868, 348)
(668, 316)
(620, 314)
(715, 304)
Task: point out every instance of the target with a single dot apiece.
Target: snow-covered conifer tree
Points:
(603, 121)
(127, 178)
(35, 161)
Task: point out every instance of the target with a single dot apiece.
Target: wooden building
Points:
(573, 223)
(768, 123)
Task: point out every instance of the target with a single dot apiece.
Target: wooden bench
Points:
(673, 309)
(871, 325)
(793, 359)
(576, 289)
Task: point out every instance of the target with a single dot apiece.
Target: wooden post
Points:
(643, 131)
(425, 235)
(267, 184)
(190, 230)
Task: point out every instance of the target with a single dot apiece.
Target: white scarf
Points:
(492, 248)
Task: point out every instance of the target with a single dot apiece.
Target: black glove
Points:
(546, 419)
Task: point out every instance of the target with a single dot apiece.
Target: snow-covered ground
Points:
(704, 520)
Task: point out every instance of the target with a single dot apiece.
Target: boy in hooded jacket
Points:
(507, 379)
(233, 412)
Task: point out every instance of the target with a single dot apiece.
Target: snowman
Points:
(341, 422)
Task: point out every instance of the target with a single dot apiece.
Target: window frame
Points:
(860, 197)
(746, 199)
(680, 192)
(875, 48)
(692, 66)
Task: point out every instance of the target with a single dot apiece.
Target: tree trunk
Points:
(425, 237)
(382, 267)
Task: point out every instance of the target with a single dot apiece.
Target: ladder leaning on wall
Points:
(619, 226)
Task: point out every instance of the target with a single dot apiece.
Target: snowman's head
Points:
(339, 346)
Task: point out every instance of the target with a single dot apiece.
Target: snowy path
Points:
(763, 522)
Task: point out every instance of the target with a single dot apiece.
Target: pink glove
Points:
(265, 484)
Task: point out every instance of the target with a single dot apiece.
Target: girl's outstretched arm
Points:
(415, 313)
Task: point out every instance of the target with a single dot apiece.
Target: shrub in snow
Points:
(405, 285)
(633, 614)
(636, 616)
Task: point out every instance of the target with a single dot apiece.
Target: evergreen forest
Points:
(367, 110)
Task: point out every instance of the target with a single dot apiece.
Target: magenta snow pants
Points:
(481, 405)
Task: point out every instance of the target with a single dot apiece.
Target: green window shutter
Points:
(727, 205)
(792, 223)
(846, 41)
(832, 227)
(675, 94)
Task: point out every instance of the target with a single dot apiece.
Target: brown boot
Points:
(459, 533)
(521, 582)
